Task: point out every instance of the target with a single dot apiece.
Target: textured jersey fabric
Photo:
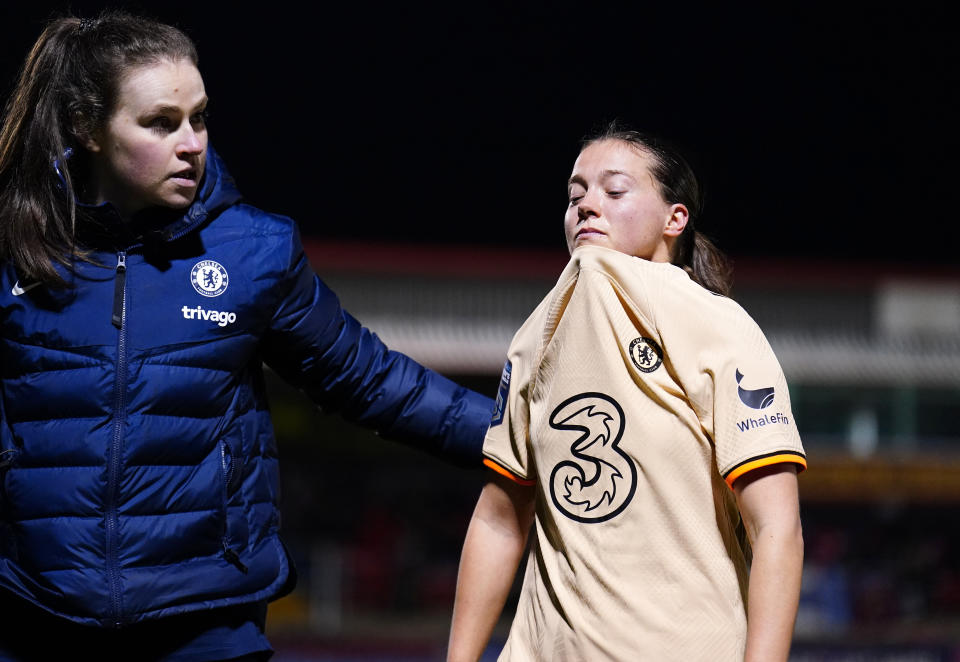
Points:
(138, 465)
(630, 394)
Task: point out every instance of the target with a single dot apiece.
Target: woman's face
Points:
(152, 150)
(614, 201)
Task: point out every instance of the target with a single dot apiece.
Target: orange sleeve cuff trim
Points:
(505, 472)
(765, 461)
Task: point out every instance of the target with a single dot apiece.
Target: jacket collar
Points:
(102, 225)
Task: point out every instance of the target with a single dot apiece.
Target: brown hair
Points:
(692, 251)
(66, 90)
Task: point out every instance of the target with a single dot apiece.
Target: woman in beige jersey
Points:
(643, 426)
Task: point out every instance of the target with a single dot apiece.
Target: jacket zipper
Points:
(228, 470)
(113, 472)
(119, 289)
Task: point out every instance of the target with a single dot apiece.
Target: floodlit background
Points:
(424, 149)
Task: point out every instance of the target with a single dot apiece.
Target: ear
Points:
(80, 129)
(677, 221)
(91, 141)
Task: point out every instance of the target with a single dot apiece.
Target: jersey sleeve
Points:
(506, 448)
(754, 426)
(733, 380)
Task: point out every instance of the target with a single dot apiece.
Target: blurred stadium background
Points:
(872, 355)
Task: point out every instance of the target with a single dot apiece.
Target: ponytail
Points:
(706, 264)
(36, 219)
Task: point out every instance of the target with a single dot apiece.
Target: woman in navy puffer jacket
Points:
(139, 299)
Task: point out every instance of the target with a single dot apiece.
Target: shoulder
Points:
(254, 221)
(251, 230)
(254, 240)
(664, 291)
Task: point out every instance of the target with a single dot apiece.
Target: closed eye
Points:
(161, 123)
(575, 193)
(200, 118)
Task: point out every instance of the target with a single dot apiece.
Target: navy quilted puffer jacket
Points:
(138, 462)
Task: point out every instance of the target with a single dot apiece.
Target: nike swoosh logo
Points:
(17, 290)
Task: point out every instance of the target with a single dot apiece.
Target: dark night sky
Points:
(816, 133)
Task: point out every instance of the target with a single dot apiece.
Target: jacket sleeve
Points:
(319, 347)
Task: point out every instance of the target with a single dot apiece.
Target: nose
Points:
(588, 206)
(190, 143)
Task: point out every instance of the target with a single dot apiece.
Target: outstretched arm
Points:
(317, 346)
(492, 551)
(769, 504)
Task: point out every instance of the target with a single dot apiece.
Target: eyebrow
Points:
(577, 179)
(167, 108)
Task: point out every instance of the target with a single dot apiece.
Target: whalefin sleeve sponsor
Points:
(754, 424)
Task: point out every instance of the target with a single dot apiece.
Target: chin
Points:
(591, 241)
(177, 202)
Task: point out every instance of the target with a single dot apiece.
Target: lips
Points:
(588, 232)
(186, 177)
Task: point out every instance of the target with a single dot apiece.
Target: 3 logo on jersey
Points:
(600, 479)
(209, 279)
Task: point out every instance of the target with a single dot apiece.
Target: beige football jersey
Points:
(630, 395)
